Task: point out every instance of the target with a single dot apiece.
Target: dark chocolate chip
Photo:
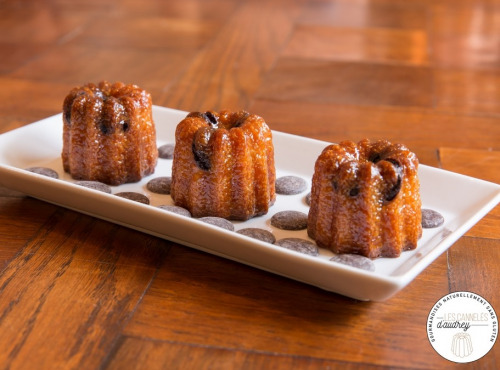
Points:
(394, 162)
(160, 185)
(105, 123)
(218, 221)
(375, 157)
(125, 125)
(201, 158)
(113, 115)
(45, 171)
(208, 116)
(290, 185)
(166, 151)
(299, 245)
(176, 209)
(67, 113)
(394, 190)
(211, 119)
(241, 119)
(201, 148)
(354, 191)
(289, 220)
(132, 195)
(354, 260)
(260, 234)
(104, 128)
(95, 185)
(431, 218)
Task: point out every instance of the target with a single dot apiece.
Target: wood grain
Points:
(252, 34)
(20, 220)
(422, 130)
(102, 280)
(388, 46)
(465, 37)
(451, 94)
(466, 258)
(148, 354)
(349, 83)
(17, 110)
(81, 293)
(372, 14)
(471, 271)
(257, 309)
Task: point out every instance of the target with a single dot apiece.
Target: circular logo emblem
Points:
(462, 327)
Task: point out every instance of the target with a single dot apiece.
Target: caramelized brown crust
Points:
(223, 165)
(365, 199)
(108, 133)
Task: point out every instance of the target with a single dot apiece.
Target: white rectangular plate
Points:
(461, 200)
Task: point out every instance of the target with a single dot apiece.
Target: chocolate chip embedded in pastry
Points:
(108, 133)
(365, 199)
(223, 165)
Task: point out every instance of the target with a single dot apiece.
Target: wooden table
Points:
(80, 293)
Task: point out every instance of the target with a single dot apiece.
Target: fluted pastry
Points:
(365, 199)
(223, 165)
(108, 133)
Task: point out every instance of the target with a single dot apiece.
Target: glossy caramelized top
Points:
(365, 199)
(108, 133)
(224, 164)
(389, 162)
(113, 103)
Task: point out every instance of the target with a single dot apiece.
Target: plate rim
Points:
(389, 284)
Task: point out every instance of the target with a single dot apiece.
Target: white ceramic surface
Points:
(461, 200)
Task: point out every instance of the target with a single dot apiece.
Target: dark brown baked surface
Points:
(223, 165)
(365, 199)
(108, 133)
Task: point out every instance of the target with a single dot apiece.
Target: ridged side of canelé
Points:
(365, 199)
(108, 133)
(236, 180)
